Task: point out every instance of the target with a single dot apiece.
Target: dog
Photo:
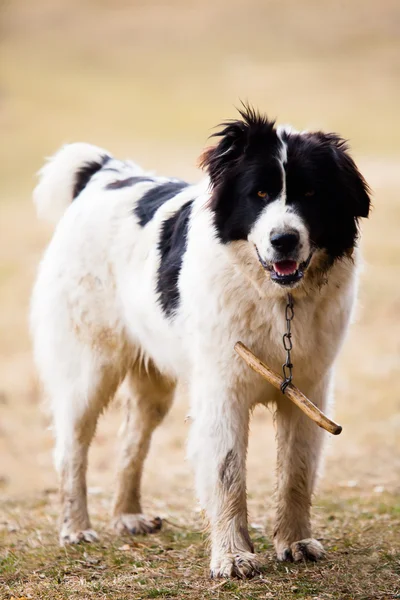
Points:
(151, 280)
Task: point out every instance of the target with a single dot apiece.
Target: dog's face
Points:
(291, 195)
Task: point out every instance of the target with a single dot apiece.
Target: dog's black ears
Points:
(353, 184)
(236, 136)
(216, 159)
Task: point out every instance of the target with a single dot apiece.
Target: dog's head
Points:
(291, 195)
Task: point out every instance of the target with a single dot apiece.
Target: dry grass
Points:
(361, 537)
(149, 81)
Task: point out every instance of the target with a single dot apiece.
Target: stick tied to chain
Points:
(291, 391)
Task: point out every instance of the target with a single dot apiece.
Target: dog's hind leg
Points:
(150, 397)
(77, 408)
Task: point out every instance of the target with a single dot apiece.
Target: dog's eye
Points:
(309, 193)
(262, 194)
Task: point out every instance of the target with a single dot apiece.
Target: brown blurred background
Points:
(148, 81)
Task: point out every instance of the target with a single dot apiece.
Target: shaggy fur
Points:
(151, 280)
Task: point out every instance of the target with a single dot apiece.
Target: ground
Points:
(361, 535)
(149, 82)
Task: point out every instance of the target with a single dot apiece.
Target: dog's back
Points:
(110, 214)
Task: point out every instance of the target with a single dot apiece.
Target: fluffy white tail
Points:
(64, 176)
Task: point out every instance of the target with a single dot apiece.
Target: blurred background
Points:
(148, 81)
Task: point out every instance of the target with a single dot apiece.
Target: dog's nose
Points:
(285, 242)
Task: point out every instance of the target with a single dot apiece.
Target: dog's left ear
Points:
(354, 184)
(218, 159)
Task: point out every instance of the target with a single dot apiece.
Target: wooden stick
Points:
(292, 392)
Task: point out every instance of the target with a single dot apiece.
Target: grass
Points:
(148, 81)
(362, 542)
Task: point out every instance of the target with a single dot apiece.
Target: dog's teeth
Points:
(285, 267)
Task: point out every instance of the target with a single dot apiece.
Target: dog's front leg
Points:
(298, 453)
(218, 447)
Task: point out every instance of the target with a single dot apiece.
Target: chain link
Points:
(287, 366)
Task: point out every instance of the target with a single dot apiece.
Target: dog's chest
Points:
(261, 324)
(265, 325)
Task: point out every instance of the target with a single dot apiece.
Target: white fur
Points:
(96, 320)
(278, 218)
(53, 194)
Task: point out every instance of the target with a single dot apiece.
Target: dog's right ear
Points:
(222, 157)
(253, 134)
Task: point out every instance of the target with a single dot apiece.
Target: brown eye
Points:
(310, 193)
(262, 194)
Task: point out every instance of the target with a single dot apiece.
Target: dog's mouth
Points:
(286, 272)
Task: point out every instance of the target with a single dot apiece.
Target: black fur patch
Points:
(228, 473)
(151, 201)
(121, 183)
(85, 173)
(172, 247)
(325, 187)
(243, 163)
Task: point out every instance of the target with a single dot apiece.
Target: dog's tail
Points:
(64, 177)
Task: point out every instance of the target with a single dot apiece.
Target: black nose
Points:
(285, 242)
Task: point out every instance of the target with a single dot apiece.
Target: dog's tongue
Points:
(285, 267)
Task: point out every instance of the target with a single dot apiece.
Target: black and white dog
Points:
(150, 280)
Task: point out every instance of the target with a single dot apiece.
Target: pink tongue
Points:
(285, 267)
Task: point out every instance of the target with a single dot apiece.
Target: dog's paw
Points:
(307, 549)
(243, 565)
(136, 524)
(76, 537)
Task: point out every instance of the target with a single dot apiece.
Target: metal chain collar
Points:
(287, 366)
